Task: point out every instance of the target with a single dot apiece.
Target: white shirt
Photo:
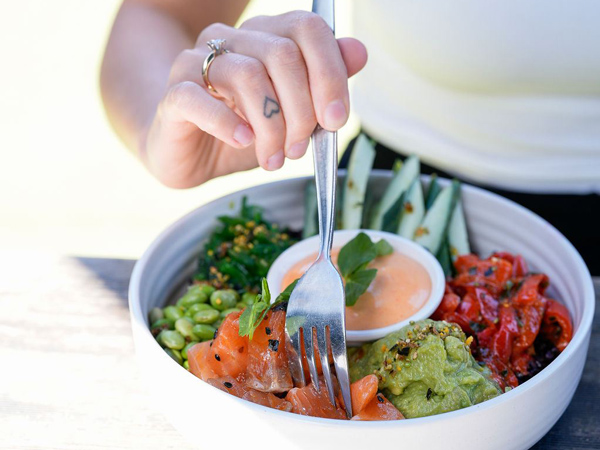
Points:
(505, 93)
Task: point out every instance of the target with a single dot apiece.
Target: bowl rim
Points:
(139, 321)
(401, 245)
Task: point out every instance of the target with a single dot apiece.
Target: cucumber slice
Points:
(445, 259)
(458, 237)
(399, 184)
(413, 211)
(391, 219)
(311, 223)
(355, 186)
(433, 191)
(432, 230)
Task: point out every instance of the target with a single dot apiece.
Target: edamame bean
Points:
(228, 311)
(173, 312)
(248, 298)
(161, 324)
(171, 339)
(184, 326)
(218, 323)
(175, 355)
(155, 314)
(197, 307)
(187, 347)
(224, 299)
(206, 316)
(204, 332)
(192, 296)
(207, 289)
(240, 305)
(186, 364)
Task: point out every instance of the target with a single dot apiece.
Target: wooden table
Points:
(69, 379)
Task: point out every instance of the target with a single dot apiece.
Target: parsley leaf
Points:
(357, 284)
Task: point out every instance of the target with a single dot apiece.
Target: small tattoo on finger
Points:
(270, 107)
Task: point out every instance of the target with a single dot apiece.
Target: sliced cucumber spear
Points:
(433, 191)
(355, 186)
(311, 225)
(458, 237)
(391, 198)
(432, 230)
(413, 210)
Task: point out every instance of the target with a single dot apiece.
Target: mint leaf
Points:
(287, 292)
(357, 284)
(383, 248)
(356, 253)
(254, 314)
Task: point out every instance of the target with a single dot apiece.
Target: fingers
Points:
(287, 71)
(354, 54)
(187, 102)
(327, 72)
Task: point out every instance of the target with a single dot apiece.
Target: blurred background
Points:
(67, 184)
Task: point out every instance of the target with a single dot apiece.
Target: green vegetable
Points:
(187, 347)
(184, 327)
(175, 355)
(458, 237)
(287, 292)
(432, 191)
(311, 226)
(192, 296)
(173, 312)
(171, 339)
(353, 260)
(207, 316)
(155, 314)
(224, 299)
(192, 310)
(162, 324)
(355, 184)
(391, 202)
(432, 230)
(248, 298)
(254, 314)
(186, 364)
(413, 210)
(204, 332)
(228, 311)
(207, 289)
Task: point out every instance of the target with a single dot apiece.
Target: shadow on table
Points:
(579, 427)
(114, 273)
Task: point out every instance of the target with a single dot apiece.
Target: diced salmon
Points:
(229, 351)
(379, 408)
(198, 358)
(308, 402)
(268, 369)
(362, 392)
(239, 388)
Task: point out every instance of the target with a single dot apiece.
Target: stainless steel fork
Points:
(316, 308)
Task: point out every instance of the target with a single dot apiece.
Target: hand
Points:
(283, 75)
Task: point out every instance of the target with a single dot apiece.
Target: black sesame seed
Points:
(227, 384)
(380, 398)
(217, 357)
(273, 344)
(268, 331)
(429, 393)
(489, 271)
(215, 334)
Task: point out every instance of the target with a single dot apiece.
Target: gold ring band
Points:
(217, 47)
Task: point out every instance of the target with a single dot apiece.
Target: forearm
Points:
(145, 40)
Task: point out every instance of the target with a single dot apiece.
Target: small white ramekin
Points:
(303, 249)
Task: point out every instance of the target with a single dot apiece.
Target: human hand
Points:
(283, 75)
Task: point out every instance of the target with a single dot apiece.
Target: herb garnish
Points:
(254, 314)
(353, 260)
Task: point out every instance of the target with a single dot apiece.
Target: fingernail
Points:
(298, 149)
(335, 115)
(243, 135)
(275, 161)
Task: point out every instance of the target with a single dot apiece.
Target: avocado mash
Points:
(426, 368)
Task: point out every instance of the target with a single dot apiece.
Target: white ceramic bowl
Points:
(209, 417)
(303, 249)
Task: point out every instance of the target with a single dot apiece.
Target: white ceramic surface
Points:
(303, 249)
(213, 419)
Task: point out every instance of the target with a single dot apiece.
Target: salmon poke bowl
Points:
(495, 359)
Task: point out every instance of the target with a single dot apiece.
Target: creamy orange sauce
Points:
(400, 288)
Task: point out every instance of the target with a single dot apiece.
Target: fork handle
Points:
(325, 159)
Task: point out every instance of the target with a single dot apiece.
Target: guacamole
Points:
(425, 368)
